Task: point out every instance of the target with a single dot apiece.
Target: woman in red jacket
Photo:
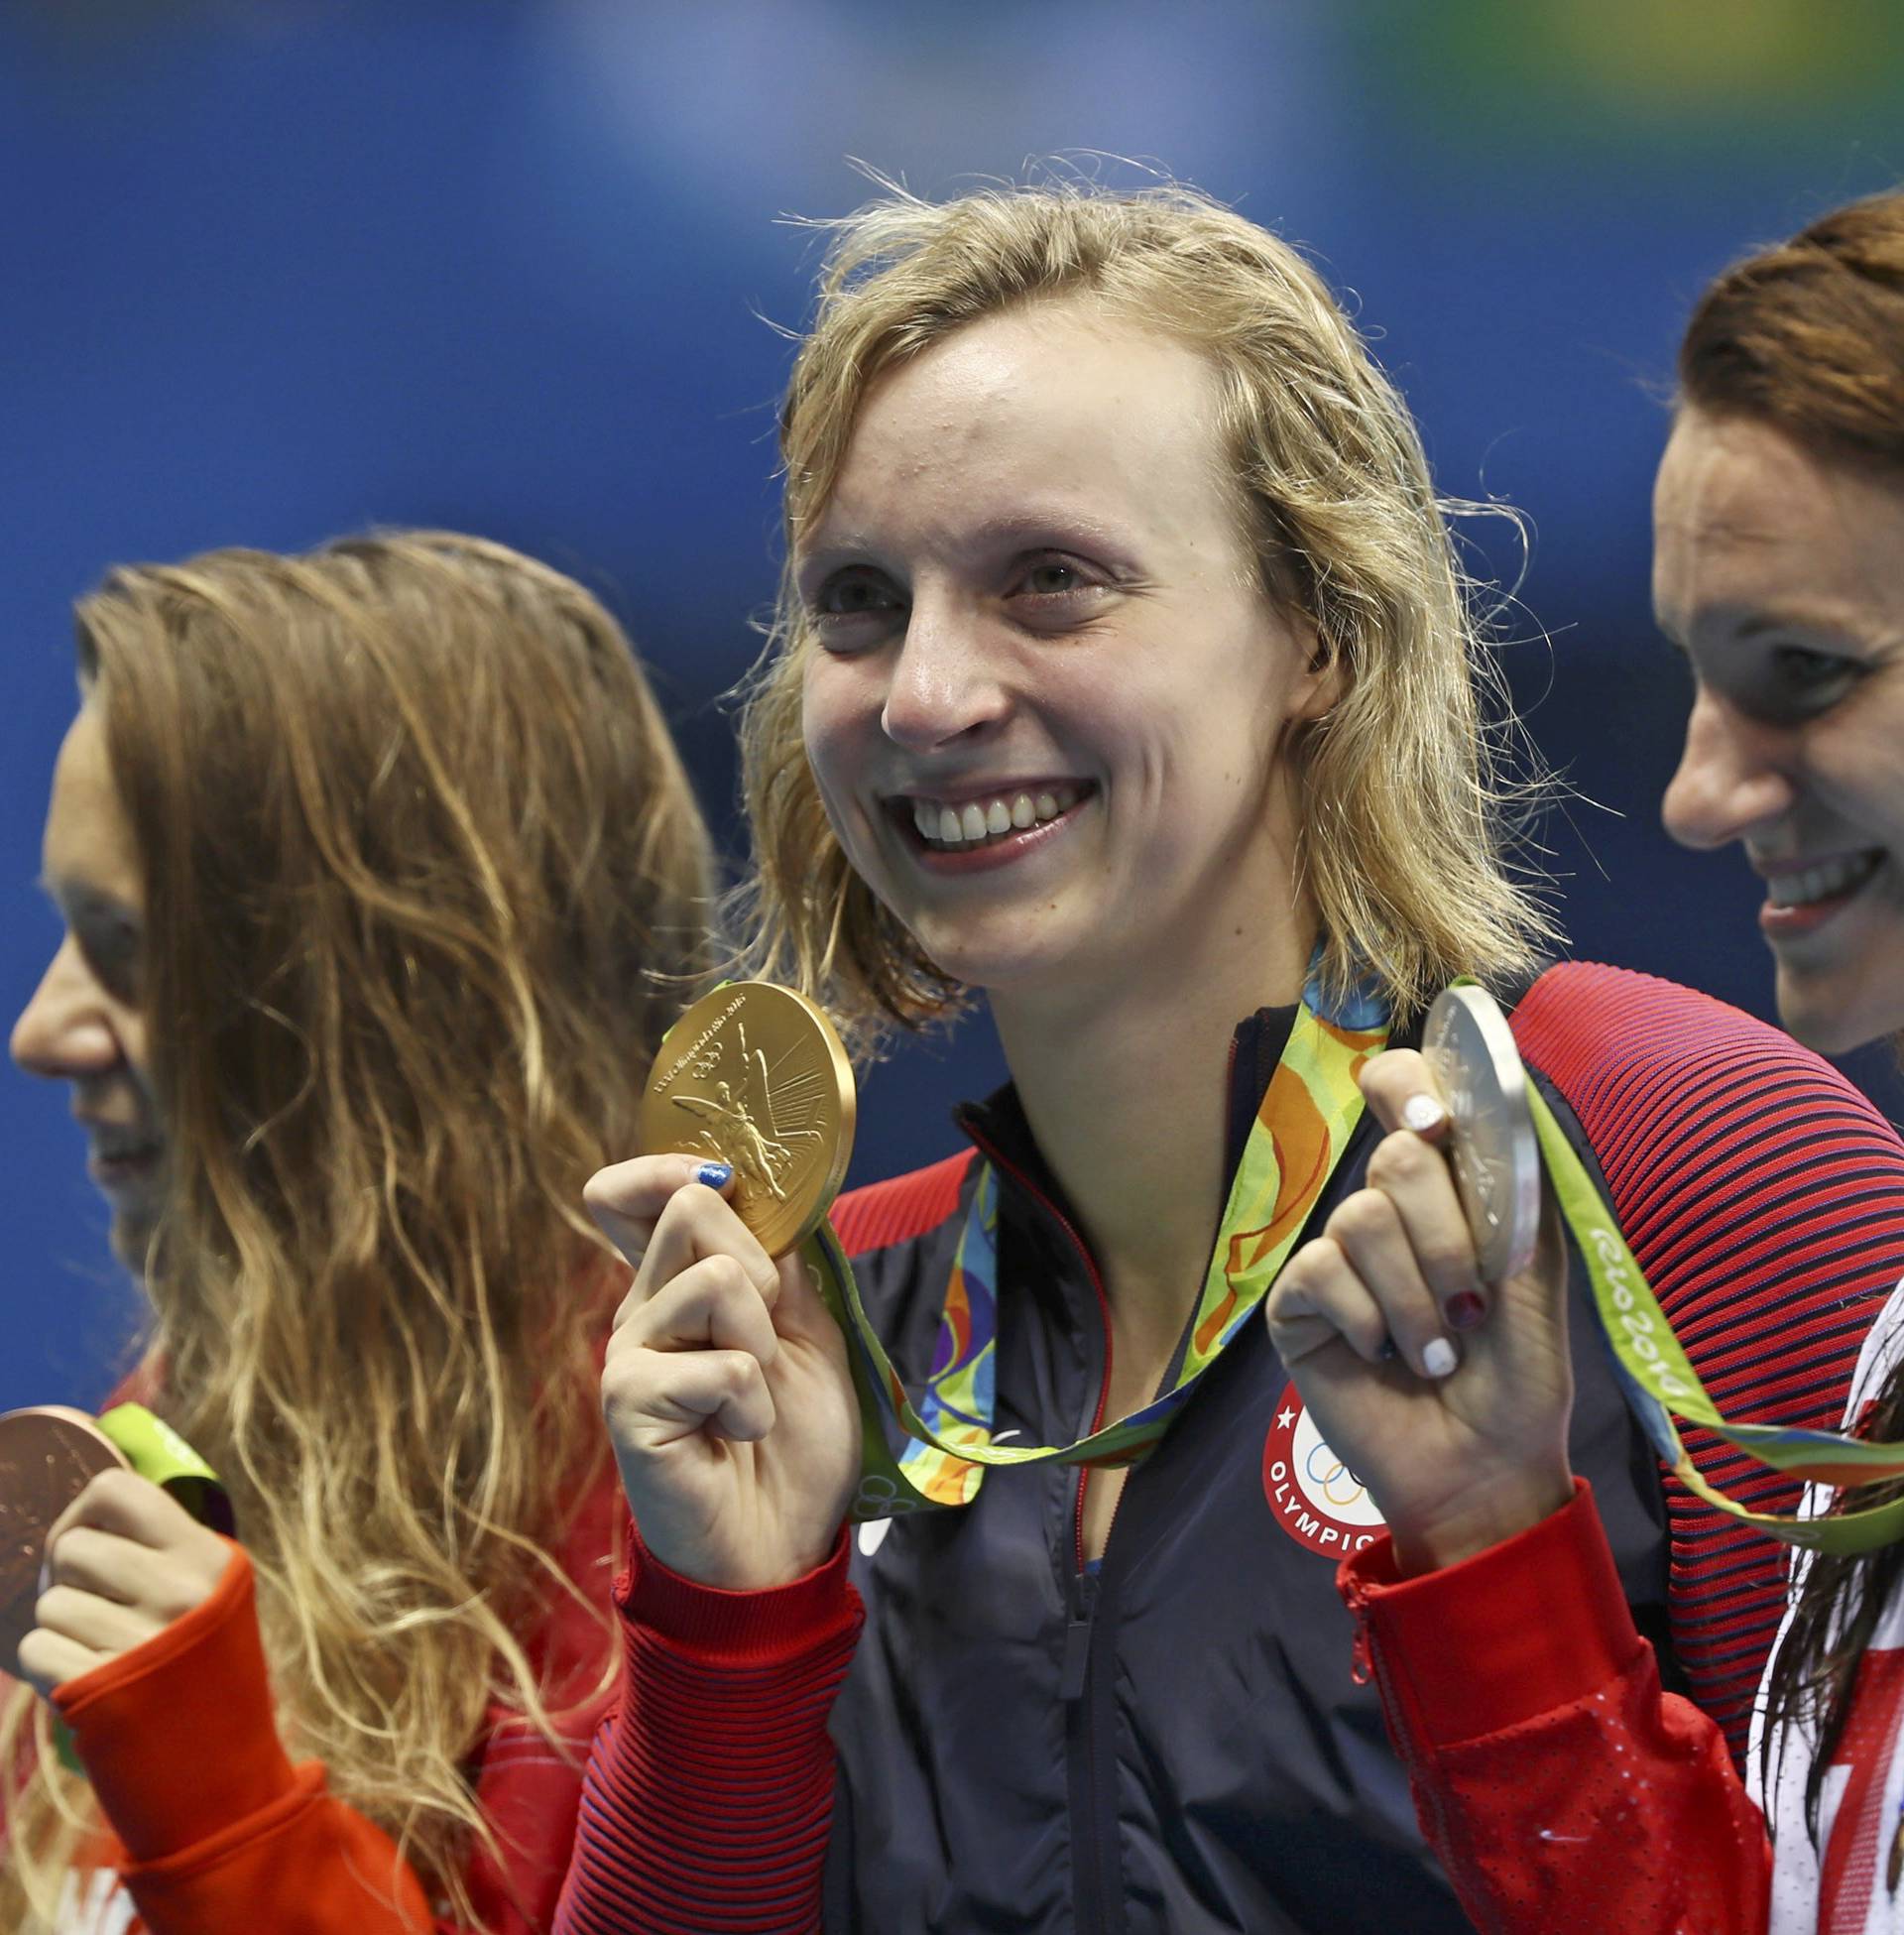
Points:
(1558, 1785)
(381, 880)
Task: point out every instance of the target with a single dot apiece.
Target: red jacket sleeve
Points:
(1557, 1783)
(217, 1830)
(709, 1794)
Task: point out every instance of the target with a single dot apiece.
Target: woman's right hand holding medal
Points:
(1448, 1397)
(726, 1388)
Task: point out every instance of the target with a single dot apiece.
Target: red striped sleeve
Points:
(710, 1792)
(1764, 1198)
(888, 1213)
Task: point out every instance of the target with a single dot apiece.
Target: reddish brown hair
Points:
(1808, 335)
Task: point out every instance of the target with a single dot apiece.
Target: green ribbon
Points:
(1661, 1383)
(158, 1453)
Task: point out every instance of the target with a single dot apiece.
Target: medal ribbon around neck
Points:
(1661, 1383)
(1297, 1137)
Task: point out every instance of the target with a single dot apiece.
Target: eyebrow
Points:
(1036, 526)
(1752, 624)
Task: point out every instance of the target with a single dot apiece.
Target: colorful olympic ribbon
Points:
(1298, 1137)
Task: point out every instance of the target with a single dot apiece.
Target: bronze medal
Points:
(48, 1456)
(755, 1076)
(1497, 1155)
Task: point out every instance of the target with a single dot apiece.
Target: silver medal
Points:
(1469, 1045)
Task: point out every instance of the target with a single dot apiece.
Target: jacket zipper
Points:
(1044, 1202)
(1098, 1850)
(1095, 1867)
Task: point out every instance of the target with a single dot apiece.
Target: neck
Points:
(1124, 1091)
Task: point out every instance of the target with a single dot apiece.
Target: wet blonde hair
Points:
(425, 882)
(1403, 833)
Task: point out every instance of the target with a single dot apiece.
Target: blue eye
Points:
(853, 607)
(849, 594)
(1805, 673)
(110, 944)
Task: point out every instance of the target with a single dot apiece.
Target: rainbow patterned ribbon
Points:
(1298, 1137)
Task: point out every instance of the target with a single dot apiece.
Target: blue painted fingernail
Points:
(1389, 1350)
(715, 1175)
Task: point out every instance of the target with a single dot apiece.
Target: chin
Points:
(1833, 1020)
(131, 1238)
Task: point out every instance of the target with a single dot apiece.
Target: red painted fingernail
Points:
(1466, 1310)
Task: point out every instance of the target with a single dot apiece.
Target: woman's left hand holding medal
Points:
(123, 1561)
(1447, 1396)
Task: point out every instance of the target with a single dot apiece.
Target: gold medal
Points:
(47, 1457)
(755, 1076)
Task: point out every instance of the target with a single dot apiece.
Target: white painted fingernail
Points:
(1423, 1113)
(1439, 1358)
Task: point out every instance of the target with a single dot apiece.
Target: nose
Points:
(64, 1031)
(1732, 778)
(949, 683)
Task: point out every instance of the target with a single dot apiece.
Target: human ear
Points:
(1324, 679)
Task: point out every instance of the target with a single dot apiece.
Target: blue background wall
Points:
(271, 271)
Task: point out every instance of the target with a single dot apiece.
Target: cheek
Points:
(833, 730)
(820, 729)
(1855, 775)
(130, 1027)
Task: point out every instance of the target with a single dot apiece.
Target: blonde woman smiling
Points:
(1123, 676)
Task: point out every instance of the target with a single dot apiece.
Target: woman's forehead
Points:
(1050, 411)
(1747, 519)
(88, 839)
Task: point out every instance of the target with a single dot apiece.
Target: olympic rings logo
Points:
(880, 1497)
(1329, 1476)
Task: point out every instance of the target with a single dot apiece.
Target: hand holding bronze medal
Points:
(49, 1455)
(1492, 1147)
(756, 1076)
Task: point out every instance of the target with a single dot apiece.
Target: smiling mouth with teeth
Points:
(946, 828)
(1829, 881)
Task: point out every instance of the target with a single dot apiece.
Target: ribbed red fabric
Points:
(721, 1749)
(885, 1213)
(1770, 1300)
(1865, 1824)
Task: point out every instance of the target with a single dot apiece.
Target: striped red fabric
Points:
(1764, 1198)
(888, 1213)
(737, 1711)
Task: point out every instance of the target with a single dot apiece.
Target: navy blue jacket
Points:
(1178, 1743)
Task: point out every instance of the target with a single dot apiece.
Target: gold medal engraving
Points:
(755, 1076)
(47, 1457)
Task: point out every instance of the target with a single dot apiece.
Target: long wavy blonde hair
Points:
(1405, 824)
(424, 882)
